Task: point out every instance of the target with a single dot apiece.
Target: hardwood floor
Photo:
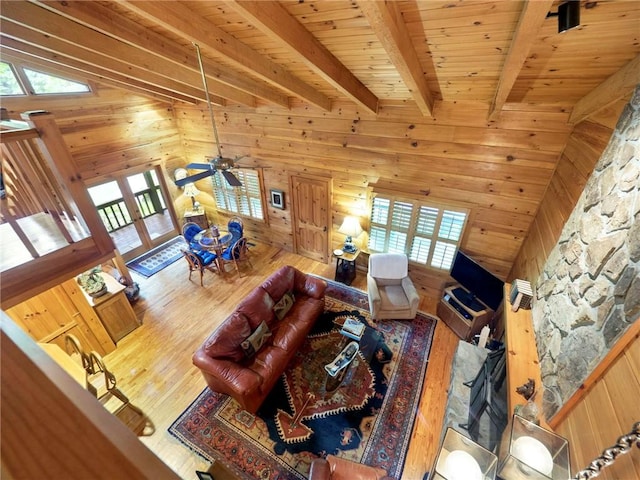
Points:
(153, 363)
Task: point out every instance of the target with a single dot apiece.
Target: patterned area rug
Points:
(160, 257)
(367, 419)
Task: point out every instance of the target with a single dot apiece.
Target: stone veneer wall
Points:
(589, 291)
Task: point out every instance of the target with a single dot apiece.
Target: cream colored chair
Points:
(392, 294)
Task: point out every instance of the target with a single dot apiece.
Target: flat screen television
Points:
(480, 282)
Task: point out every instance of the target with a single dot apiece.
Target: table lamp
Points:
(351, 228)
(190, 190)
(460, 458)
(535, 453)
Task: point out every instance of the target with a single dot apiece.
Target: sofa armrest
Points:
(320, 470)
(374, 295)
(411, 292)
(313, 287)
(228, 377)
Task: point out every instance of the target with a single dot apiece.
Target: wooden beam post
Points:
(613, 88)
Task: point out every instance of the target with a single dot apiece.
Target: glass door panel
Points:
(151, 205)
(116, 217)
(134, 211)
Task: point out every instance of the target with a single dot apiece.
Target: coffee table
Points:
(366, 346)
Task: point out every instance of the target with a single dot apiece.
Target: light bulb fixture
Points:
(535, 453)
(351, 228)
(460, 458)
(568, 15)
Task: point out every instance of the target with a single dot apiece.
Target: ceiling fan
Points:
(223, 164)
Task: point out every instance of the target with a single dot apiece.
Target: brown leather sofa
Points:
(336, 468)
(226, 366)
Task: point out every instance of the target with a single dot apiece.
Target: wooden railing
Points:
(115, 215)
(46, 210)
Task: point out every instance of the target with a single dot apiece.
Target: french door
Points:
(133, 208)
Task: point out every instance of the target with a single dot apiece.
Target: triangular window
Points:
(9, 84)
(16, 79)
(43, 83)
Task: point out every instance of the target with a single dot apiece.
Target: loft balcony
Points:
(49, 227)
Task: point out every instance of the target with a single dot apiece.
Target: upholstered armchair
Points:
(391, 291)
(336, 468)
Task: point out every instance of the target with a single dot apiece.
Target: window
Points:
(428, 234)
(44, 83)
(245, 200)
(20, 80)
(9, 84)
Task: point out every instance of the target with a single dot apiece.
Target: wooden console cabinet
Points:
(114, 310)
(465, 324)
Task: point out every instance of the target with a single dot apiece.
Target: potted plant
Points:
(92, 282)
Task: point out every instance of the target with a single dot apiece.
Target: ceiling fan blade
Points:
(231, 178)
(202, 166)
(194, 178)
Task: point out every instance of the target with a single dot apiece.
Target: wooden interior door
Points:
(311, 219)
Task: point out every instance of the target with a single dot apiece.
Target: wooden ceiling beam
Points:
(613, 88)
(142, 65)
(94, 63)
(105, 20)
(534, 13)
(18, 52)
(273, 20)
(386, 21)
(179, 20)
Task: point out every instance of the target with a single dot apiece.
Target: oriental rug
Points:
(160, 257)
(368, 419)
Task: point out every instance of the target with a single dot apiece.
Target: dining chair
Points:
(74, 350)
(190, 230)
(236, 253)
(103, 385)
(200, 260)
(235, 226)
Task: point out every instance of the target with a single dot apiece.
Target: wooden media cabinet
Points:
(465, 321)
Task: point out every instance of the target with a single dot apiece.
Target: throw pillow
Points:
(284, 305)
(254, 342)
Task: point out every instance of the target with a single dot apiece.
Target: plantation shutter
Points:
(429, 235)
(244, 200)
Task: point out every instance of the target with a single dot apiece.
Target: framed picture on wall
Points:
(277, 198)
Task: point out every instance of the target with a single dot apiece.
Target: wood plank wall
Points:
(111, 130)
(607, 412)
(499, 170)
(584, 148)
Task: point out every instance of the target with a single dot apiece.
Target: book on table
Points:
(352, 328)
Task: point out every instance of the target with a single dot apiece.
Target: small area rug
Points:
(368, 419)
(160, 257)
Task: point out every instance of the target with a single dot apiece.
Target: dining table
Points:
(216, 241)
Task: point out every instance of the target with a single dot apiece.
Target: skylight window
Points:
(9, 84)
(43, 83)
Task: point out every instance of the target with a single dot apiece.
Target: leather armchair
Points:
(336, 468)
(391, 291)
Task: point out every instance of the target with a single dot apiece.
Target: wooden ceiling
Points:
(268, 53)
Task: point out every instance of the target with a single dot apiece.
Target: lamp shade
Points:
(190, 190)
(350, 227)
(460, 458)
(535, 453)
